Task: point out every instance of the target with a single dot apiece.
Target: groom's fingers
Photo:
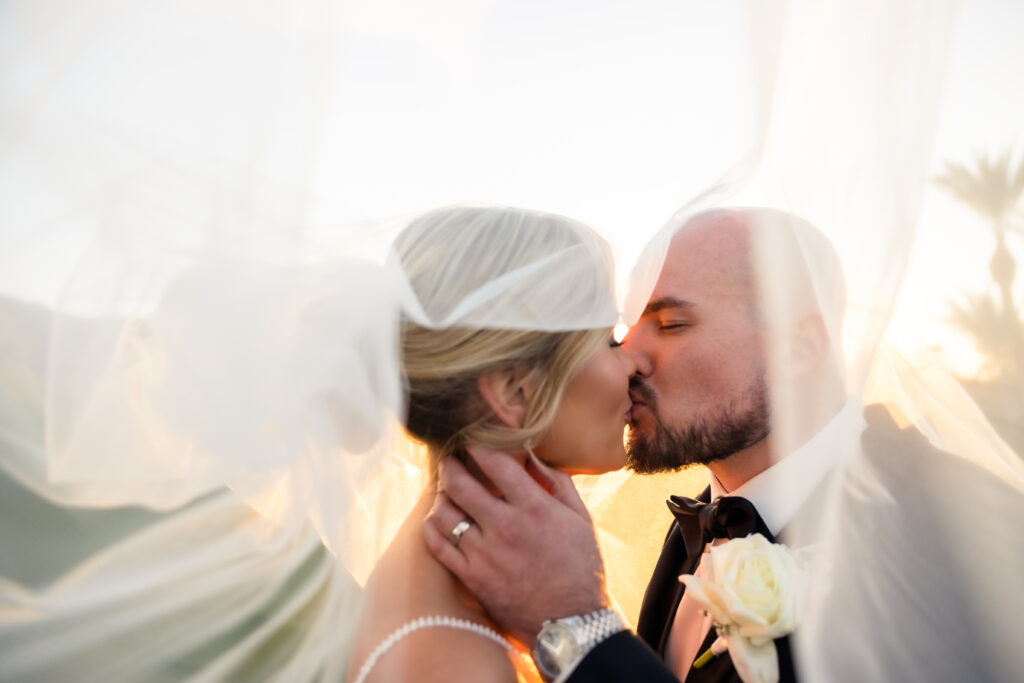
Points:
(527, 559)
(558, 484)
(445, 516)
(437, 530)
(443, 550)
(507, 474)
(469, 494)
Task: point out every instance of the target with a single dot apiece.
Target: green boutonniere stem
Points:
(703, 660)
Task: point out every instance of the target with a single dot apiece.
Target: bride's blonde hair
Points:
(451, 253)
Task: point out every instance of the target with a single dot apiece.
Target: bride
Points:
(536, 392)
(275, 390)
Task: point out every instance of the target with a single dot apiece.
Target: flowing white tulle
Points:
(200, 452)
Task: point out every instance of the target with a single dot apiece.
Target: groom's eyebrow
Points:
(666, 302)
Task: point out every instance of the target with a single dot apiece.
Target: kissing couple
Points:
(499, 556)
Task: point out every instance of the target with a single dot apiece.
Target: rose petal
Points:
(759, 635)
(734, 605)
(708, 596)
(754, 663)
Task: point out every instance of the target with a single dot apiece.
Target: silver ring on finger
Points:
(456, 535)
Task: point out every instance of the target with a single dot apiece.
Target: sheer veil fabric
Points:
(200, 444)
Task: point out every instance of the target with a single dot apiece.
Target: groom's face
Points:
(700, 392)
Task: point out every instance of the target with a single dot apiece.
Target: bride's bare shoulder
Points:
(456, 643)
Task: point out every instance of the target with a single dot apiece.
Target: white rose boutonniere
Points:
(752, 590)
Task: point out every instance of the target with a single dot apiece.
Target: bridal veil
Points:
(200, 444)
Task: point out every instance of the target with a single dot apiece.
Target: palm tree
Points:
(981, 315)
(993, 191)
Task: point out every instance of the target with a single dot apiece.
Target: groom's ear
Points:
(506, 393)
(809, 346)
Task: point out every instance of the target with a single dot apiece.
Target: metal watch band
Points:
(563, 643)
(596, 627)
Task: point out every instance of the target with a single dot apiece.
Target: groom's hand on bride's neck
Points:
(531, 554)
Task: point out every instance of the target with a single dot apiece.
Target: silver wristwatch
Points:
(563, 643)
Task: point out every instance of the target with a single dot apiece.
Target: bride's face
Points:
(586, 435)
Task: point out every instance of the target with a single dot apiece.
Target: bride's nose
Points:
(640, 362)
(628, 363)
(627, 360)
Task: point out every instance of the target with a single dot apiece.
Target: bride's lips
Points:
(637, 403)
(634, 404)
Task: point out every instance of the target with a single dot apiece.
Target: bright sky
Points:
(599, 113)
(614, 113)
(983, 111)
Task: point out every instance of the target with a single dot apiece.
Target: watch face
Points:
(556, 649)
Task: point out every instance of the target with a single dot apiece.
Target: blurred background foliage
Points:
(992, 187)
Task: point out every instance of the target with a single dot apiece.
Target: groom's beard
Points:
(739, 425)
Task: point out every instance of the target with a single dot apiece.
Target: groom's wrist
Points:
(563, 643)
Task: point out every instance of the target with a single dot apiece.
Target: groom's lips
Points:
(635, 404)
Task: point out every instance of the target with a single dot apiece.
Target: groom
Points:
(700, 397)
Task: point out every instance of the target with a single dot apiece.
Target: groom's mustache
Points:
(639, 392)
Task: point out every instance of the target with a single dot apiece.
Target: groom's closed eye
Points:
(669, 314)
(673, 323)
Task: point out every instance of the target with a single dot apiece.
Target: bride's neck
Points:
(433, 572)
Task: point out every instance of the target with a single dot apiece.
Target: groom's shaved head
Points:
(802, 262)
(725, 239)
(701, 344)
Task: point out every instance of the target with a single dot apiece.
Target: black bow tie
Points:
(727, 517)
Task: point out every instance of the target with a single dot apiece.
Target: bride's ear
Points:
(506, 393)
